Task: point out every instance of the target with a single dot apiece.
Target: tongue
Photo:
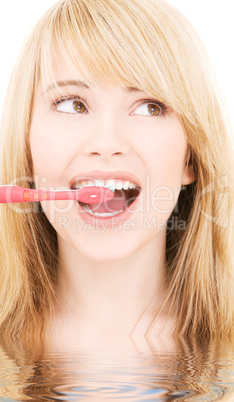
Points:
(117, 203)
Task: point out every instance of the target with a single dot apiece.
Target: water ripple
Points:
(190, 374)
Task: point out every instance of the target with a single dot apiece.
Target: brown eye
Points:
(72, 105)
(150, 109)
(78, 107)
(154, 109)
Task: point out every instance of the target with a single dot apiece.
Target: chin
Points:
(104, 251)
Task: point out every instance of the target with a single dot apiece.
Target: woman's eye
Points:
(71, 106)
(76, 106)
(149, 109)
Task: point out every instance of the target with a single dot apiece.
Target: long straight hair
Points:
(147, 44)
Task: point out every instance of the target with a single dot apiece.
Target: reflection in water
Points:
(192, 372)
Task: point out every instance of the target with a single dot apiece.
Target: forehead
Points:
(64, 65)
(62, 76)
(83, 85)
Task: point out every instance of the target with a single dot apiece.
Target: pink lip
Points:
(97, 174)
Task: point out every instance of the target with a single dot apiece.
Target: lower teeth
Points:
(87, 209)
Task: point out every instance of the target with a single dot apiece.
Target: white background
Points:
(213, 20)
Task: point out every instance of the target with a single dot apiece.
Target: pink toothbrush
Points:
(89, 195)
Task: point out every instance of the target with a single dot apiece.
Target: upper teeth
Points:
(112, 184)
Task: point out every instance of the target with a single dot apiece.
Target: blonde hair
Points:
(146, 44)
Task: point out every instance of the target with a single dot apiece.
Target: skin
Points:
(107, 280)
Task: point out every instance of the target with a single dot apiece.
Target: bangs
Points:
(114, 42)
(145, 44)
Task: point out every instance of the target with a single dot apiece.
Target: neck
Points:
(110, 294)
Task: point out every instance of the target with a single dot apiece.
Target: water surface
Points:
(190, 373)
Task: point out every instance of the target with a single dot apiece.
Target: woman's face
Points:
(109, 132)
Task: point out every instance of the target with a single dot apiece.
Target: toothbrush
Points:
(88, 195)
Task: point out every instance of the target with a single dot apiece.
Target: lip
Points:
(98, 174)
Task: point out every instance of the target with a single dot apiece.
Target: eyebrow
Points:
(81, 84)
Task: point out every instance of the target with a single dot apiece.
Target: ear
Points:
(189, 174)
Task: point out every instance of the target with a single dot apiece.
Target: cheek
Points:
(166, 163)
(49, 149)
(165, 151)
(171, 156)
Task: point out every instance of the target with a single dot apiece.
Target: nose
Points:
(107, 138)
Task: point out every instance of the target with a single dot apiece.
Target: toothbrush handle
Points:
(92, 195)
(11, 194)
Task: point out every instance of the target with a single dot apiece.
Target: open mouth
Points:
(123, 198)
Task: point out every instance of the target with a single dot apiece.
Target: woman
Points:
(123, 91)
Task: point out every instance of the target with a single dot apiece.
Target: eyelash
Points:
(163, 107)
(67, 98)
